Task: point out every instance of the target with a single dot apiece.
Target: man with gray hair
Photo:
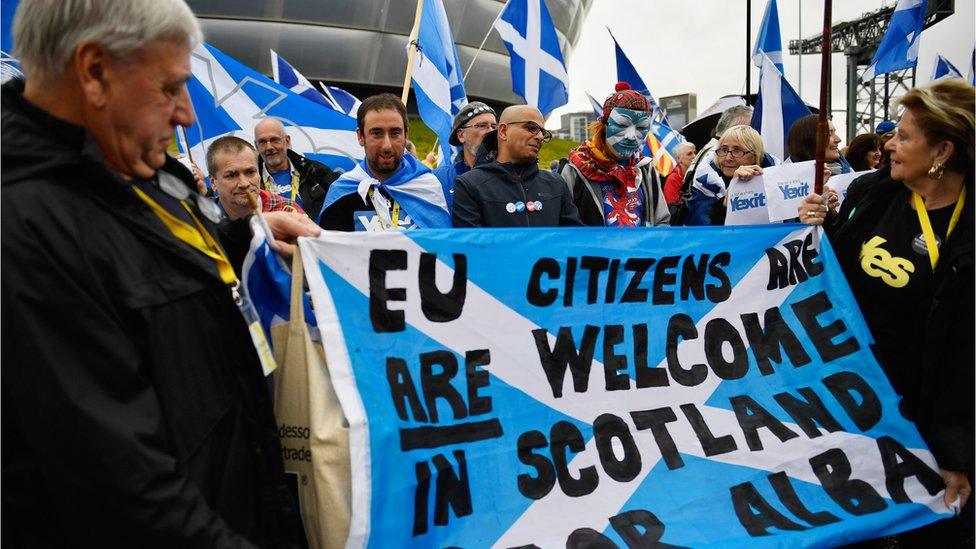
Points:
(285, 172)
(135, 411)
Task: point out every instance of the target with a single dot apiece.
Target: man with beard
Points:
(286, 173)
(388, 190)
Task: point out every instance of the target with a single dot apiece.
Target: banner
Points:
(565, 387)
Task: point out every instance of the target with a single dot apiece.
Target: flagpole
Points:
(748, 52)
(824, 86)
(186, 142)
(411, 51)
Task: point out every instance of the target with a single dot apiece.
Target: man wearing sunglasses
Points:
(507, 188)
(470, 126)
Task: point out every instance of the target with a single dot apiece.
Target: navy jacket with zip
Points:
(484, 196)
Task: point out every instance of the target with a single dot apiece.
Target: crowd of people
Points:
(134, 407)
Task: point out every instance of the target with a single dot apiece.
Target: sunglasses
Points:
(534, 128)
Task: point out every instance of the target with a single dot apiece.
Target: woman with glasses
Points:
(904, 238)
(612, 184)
(739, 155)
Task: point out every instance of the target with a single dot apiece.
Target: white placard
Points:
(747, 202)
(786, 187)
(840, 183)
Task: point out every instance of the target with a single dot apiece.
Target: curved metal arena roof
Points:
(360, 45)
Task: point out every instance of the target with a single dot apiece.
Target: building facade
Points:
(360, 45)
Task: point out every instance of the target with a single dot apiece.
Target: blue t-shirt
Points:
(282, 181)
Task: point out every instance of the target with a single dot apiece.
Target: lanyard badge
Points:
(198, 238)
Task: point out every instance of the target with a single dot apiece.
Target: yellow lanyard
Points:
(197, 237)
(927, 232)
(395, 216)
(294, 186)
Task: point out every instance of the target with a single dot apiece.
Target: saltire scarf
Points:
(413, 186)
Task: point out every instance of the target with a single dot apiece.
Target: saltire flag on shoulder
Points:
(538, 72)
(597, 106)
(944, 69)
(230, 98)
(777, 107)
(341, 100)
(288, 76)
(267, 281)
(899, 46)
(438, 81)
(769, 40)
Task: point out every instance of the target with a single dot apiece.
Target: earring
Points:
(936, 171)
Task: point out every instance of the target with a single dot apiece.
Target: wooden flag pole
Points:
(822, 129)
(411, 51)
(186, 142)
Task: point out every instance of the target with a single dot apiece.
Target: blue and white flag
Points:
(538, 72)
(9, 66)
(769, 41)
(416, 189)
(899, 46)
(944, 69)
(777, 107)
(230, 98)
(667, 136)
(626, 72)
(972, 68)
(702, 389)
(289, 77)
(438, 81)
(342, 100)
(267, 280)
(597, 106)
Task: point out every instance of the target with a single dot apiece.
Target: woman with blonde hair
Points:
(904, 237)
(739, 154)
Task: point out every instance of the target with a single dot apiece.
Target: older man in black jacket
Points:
(507, 188)
(135, 411)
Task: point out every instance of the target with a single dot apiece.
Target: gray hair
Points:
(733, 116)
(47, 32)
(680, 148)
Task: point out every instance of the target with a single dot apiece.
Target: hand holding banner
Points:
(625, 388)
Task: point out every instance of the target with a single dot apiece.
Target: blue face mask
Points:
(626, 130)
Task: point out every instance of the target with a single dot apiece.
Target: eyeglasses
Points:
(489, 126)
(534, 128)
(736, 153)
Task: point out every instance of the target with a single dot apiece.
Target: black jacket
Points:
(937, 380)
(484, 195)
(314, 179)
(134, 410)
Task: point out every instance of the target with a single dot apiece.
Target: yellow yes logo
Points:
(879, 263)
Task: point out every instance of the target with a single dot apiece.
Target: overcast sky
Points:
(698, 46)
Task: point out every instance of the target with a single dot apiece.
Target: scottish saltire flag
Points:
(597, 106)
(724, 395)
(230, 98)
(9, 66)
(769, 42)
(538, 72)
(438, 81)
(899, 46)
(419, 193)
(267, 281)
(944, 69)
(627, 73)
(341, 100)
(777, 107)
(289, 77)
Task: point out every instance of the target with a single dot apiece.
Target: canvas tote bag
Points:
(314, 433)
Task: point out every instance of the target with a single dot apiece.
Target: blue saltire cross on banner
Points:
(700, 387)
